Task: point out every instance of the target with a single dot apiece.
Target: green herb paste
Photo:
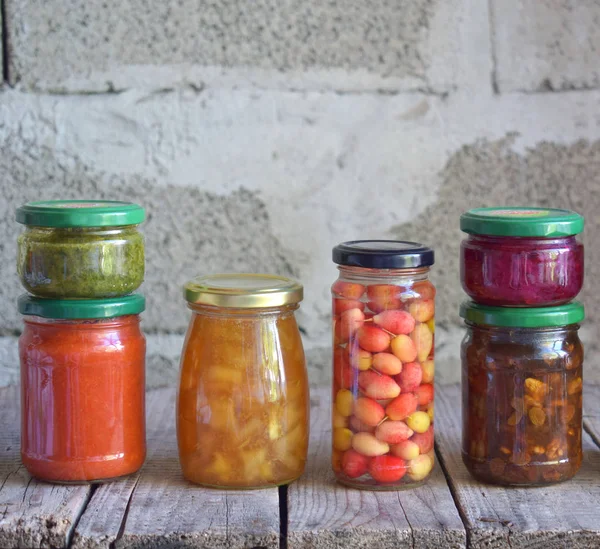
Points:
(81, 262)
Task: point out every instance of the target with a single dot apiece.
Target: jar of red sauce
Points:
(82, 388)
(383, 364)
(521, 257)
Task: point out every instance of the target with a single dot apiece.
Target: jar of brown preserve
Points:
(522, 393)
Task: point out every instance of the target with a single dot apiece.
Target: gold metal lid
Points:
(243, 291)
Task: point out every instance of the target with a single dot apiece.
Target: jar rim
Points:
(80, 213)
(74, 309)
(383, 254)
(523, 317)
(243, 290)
(521, 221)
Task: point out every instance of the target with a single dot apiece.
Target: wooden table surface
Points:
(158, 508)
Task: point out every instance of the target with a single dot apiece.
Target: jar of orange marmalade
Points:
(243, 404)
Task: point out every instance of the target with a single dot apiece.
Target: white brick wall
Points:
(546, 45)
(260, 134)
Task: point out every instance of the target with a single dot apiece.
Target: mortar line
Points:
(494, 58)
(4, 30)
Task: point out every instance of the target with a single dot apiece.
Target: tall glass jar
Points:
(80, 249)
(522, 381)
(521, 257)
(383, 364)
(243, 404)
(82, 388)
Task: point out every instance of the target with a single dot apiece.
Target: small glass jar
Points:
(243, 403)
(383, 364)
(82, 388)
(80, 249)
(521, 257)
(522, 393)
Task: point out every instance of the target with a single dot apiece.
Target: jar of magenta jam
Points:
(521, 257)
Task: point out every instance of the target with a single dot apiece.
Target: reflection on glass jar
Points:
(383, 364)
(243, 405)
(521, 257)
(522, 393)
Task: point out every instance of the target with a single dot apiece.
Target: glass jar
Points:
(521, 257)
(383, 364)
(522, 393)
(82, 388)
(80, 249)
(243, 403)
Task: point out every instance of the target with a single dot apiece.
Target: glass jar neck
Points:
(119, 321)
(81, 231)
(360, 273)
(522, 240)
(513, 333)
(209, 310)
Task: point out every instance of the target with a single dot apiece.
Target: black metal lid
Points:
(383, 254)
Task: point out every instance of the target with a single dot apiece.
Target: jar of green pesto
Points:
(80, 249)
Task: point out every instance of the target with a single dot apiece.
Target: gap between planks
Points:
(325, 514)
(159, 508)
(527, 518)
(32, 513)
(321, 513)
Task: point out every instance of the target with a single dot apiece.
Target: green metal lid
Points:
(521, 221)
(81, 308)
(80, 213)
(523, 317)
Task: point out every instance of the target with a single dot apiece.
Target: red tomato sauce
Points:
(82, 398)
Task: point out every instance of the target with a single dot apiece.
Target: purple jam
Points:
(516, 271)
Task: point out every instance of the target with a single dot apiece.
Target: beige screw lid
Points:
(243, 291)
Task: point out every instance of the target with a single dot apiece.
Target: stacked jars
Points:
(522, 357)
(82, 352)
(383, 350)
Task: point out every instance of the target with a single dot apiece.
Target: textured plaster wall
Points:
(259, 138)
(74, 44)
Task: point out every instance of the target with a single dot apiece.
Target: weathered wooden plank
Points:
(562, 516)
(32, 513)
(98, 528)
(323, 513)
(591, 411)
(166, 511)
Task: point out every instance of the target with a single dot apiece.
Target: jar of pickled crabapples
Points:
(243, 403)
(521, 257)
(522, 393)
(383, 326)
